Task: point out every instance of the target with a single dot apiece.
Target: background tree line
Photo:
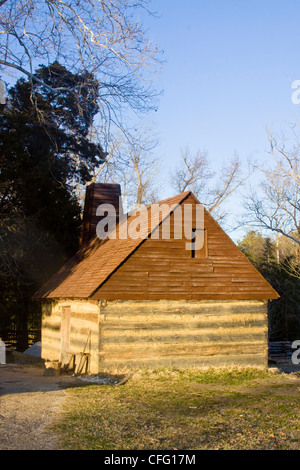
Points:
(273, 259)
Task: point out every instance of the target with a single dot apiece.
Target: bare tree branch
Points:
(212, 188)
(103, 37)
(277, 207)
(131, 162)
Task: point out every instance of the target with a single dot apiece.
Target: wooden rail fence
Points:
(10, 337)
(280, 349)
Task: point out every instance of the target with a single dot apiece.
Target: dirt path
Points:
(29, 402)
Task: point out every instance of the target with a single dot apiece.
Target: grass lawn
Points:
(185, 410)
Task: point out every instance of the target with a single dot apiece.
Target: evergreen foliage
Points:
(44, 150)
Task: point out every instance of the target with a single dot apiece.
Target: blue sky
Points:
(228, 74)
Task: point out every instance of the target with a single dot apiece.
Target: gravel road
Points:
(29, 403)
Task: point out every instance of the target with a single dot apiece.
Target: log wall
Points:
(184, 334)
(83, 330)
(135, 334)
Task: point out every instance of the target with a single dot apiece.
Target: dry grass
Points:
(188, 409)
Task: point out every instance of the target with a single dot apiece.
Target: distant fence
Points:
(280, 349)
(10, 337)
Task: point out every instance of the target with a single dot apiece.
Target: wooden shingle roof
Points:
(80, 276)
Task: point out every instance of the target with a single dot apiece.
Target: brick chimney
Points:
(96, 194)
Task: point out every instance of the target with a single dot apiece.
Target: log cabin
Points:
(126, 302)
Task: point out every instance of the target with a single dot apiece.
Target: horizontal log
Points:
(239, 360)
(178, 339)
(89, 317)
(182, 316)
(187, 307)
(177, 319)
(136, 350)
(51, 326)
(110, 296)
(179, 324)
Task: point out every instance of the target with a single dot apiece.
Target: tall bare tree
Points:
(102, 37)
(133, 164)
(211, 187)
(275, 205)
(192, 172)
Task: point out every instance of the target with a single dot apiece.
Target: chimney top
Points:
(95, 195)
